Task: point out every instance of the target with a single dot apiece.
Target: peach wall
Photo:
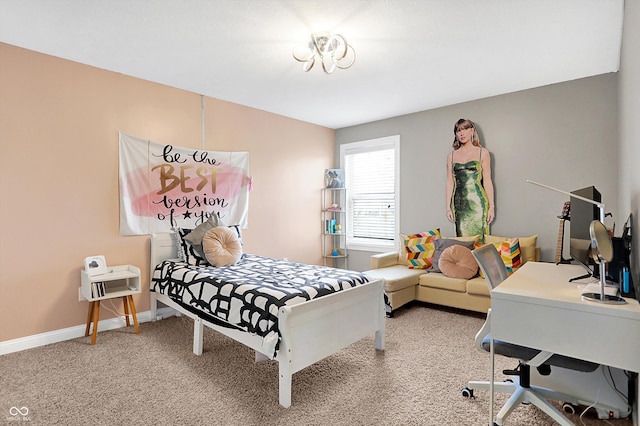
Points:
(59, 124)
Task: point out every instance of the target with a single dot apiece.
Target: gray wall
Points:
(563, 135)
(629, 129)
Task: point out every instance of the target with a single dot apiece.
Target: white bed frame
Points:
(310, 331)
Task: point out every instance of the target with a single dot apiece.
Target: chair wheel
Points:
(467, 393)
(568, 408)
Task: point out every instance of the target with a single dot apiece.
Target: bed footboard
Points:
(316, 329)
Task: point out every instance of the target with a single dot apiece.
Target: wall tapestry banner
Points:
(164, 186)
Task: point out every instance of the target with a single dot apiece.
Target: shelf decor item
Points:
(95, 265)
(334, 178)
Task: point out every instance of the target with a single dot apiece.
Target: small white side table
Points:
(119, 281)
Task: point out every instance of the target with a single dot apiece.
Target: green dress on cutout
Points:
(470, 204)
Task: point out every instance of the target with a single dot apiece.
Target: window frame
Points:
(387, 142)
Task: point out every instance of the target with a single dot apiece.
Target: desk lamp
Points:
(601, 252)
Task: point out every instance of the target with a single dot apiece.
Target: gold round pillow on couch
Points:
(458, 262)
(221, 246)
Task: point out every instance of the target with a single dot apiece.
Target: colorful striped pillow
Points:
(527, 246)
(420, 248)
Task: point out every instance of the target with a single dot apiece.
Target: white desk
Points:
(539, 308)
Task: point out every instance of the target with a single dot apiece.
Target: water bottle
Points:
(623, 280)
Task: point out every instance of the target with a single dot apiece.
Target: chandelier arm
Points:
(306, 67)
(308, 56)
(353, 59)
(343, 45)
(331, 68)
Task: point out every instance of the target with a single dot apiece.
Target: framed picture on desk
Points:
(95, 265)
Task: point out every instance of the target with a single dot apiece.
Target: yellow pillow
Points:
(527, 245)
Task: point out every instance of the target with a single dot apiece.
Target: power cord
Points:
(611, 382)
(114, 311)
(593, 405)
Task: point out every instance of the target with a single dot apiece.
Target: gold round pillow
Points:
(458, 262)
(221, 246)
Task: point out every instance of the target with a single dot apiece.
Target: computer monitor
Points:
(581, 214)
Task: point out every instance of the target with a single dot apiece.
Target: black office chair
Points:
(520, 387)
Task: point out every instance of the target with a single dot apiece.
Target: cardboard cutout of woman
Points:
(469, 185)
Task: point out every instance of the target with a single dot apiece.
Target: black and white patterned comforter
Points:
(247, 295)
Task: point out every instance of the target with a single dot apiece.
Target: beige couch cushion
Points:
(397, 277)
(478, 286)
(438, 280)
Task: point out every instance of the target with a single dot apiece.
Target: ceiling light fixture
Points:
(331, 49)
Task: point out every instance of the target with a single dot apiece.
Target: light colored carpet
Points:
(155, 379)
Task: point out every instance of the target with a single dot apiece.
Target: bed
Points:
(296, 334)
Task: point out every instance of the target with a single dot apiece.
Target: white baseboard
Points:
(37, 340)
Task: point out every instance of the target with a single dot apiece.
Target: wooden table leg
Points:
(133, 313)
(126, 310)
(96, 316)
(89, 315)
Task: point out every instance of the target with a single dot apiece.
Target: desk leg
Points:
(126, 310)
(133, 313)
(635, 414)
(96, 317)
(491, 381)
(89, 317)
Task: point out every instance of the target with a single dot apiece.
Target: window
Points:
(371, 175)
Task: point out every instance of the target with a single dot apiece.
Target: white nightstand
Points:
(119, 281)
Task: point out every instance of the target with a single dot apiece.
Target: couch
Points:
(404, 284)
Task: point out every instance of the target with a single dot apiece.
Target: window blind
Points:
(370, 177)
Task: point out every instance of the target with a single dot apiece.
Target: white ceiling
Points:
(412, 55)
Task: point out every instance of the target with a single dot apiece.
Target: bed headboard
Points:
(163, 246)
